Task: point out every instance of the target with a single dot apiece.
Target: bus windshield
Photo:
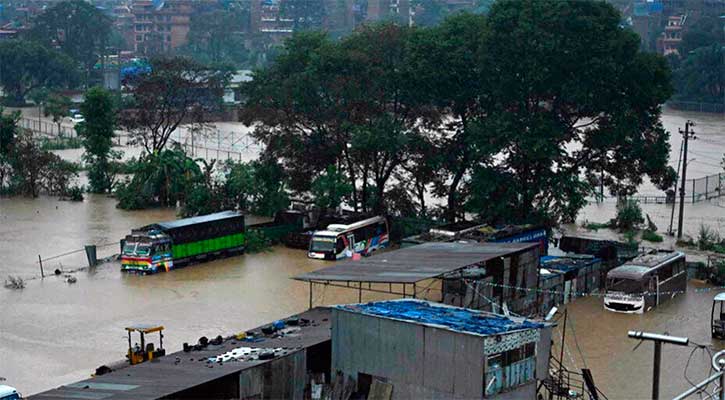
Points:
(322, 244)
(627, 286)
(143, 249)
(129, 248)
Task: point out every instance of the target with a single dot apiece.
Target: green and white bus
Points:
(167, 245)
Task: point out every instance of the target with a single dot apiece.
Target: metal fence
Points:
(46, 128)
(697, 106)
(702, 189)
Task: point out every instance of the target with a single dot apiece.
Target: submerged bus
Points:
(167, 245)
(645, 282)
(340, 241)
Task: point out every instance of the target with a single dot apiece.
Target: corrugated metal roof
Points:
(415, 263)
(180, 371)
(447, 317)
(179, 223)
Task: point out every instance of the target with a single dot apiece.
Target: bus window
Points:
(129, 248)
(143, 249)
(624, 285)
(322, 244)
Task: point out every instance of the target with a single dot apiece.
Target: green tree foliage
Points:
(257, 187)
(97, 133)
(345, 103)
(159, 179)
(39, 97)
(330, 188)
(580, 100)
(269, 194)
(704, 32)
(58, 107)
(27, 65)
(78, 28)
(8, 130)
(177, 90)
(629, 215)
(700, 76)
(27, 170)
(517, 115)
(217, 37)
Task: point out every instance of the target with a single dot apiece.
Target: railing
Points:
(46, 128)
(705, 389)
(566, 384)
(697, 106)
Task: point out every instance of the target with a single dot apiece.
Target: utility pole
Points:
(686, 135)
(658, 339)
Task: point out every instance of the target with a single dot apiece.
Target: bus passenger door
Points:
(654, 289)
(351, 242)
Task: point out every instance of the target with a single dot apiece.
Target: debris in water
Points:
(14, 282)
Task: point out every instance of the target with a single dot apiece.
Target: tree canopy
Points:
(97, 133)
(176, 90)
(28, 65)
(516, 116)
(76, 28)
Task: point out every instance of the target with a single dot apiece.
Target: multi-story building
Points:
(670, 40)
(160, 26)
(386, 10)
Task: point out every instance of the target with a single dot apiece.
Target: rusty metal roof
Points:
(180, 371)
(415, 263)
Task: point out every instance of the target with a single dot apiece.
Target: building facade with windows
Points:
(415, 349)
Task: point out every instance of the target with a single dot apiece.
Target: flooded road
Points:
(53, 333)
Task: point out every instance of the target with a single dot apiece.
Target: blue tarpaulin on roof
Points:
(453, 318)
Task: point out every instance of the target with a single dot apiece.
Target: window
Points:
(139, 38)
(510, 369)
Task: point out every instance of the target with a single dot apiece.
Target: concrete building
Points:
(160, 26)
(670, 40)
(414, 349)
(386, 10)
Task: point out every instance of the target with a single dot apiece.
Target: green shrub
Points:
(651, 236)
(75, 193)
(257, 241)
(707, 238)
(60, 143)
(595, 226)
(629, 215)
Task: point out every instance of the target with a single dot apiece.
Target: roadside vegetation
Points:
(396, 109)
(26, 169)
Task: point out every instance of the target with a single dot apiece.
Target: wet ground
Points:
(53, 333)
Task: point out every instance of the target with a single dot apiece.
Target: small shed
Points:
(583, 272)
(418, 349)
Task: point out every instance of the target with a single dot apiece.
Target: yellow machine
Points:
(146, 351)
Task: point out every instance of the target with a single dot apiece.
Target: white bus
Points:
(645, 282)
(340, 241)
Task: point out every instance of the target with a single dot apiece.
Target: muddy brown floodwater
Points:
(53, 333)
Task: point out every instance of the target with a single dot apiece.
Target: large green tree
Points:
(28, 65)
(346, 103)
(77, 28)
(97, 133)
(700, 76)
(177, 90)
(575, 102)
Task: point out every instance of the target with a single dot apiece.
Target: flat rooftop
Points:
(180, 371)
(456, 319)
(415, 263)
